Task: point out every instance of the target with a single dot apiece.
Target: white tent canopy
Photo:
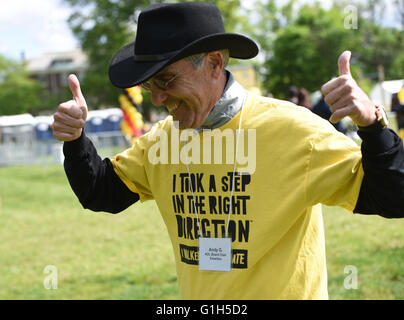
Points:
(17, 120)
(104, 113)
(382, 92)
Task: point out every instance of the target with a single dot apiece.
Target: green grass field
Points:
(129, 255)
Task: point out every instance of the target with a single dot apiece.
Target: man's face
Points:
(188, 97)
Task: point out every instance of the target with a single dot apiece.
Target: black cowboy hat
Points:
(169, 32)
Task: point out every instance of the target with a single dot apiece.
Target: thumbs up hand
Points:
(346, 98)
(71, 116)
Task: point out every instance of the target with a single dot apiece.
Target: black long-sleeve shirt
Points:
(94, 180)
(382, 189)
(98, 187)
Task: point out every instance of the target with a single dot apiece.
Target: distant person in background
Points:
(304, 99)
(398, 108)
(293, 94)
(322, 109)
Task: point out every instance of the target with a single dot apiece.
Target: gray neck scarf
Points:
(227, 107)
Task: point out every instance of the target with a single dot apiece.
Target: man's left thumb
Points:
(343, 63)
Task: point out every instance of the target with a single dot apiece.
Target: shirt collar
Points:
(228, 105)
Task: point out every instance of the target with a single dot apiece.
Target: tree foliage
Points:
(300, 44)
(18, 93)
(103, 27)
(304, 53)
(381, 46)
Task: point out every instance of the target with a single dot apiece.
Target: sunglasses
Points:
(159, 83)
(164, 85)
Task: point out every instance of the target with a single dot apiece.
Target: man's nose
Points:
(158, 96)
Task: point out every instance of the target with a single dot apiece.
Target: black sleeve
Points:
(94, 180)
(382, 189)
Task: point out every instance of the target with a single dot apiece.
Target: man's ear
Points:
(215, 62)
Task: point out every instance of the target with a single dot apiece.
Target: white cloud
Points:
(34, 26)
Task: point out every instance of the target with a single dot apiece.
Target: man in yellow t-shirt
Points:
(238, 178)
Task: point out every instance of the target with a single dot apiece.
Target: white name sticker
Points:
(215, 254)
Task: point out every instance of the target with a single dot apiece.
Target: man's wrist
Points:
(379, 124)
(378, 142)
(75, 147)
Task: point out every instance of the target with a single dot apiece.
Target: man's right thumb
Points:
(74, 85)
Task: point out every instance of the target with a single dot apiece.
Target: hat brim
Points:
(126, 72)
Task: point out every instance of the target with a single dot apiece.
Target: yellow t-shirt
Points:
(278, 247)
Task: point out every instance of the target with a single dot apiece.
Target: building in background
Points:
(246, 76)
(52, 69)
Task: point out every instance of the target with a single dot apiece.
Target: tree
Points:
(103, 27)
(397, 67)
(399, 4)
(304, 53)
(373, 10)
(301, 44)
(380, 46)
(229, 9)
(18, 93)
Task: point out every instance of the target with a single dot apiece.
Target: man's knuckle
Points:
(56, 126)
(57, 117)
(76, 123)
(328, 100)
(348, 89)
(345, 78)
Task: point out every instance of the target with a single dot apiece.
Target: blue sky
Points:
(34, 26)
(38, 26)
